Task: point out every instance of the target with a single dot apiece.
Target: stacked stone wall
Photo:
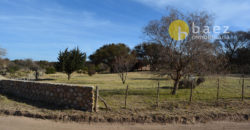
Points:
(60, 95)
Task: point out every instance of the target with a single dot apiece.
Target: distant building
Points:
(144, 68)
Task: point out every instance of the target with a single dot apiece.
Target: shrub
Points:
(102, 68)
(12, 68)
(187, 83)
(50, 70)
(84, 70)
(91, 70)
(200, 80)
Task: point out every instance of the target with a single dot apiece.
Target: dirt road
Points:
(22, 123)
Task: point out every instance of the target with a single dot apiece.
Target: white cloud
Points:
(229, 12)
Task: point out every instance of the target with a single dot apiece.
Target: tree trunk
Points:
(218, 90)
(242, 91)
(36, 75)
(68, 76)
(191, 92)
(158, 94)
(176, 85)
(126, 96)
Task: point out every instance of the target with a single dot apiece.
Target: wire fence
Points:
(213, 89)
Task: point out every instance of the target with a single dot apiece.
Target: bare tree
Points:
(122, 65)
(3, 62)
(188, 56)
(36, 68)
(2, 52)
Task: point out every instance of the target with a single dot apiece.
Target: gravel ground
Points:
(23, 123)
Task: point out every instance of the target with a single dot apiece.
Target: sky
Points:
(39, 29)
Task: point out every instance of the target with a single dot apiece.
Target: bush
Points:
(12, 68)
(102, 68)
(200, 80)
(84, 70)
(50, 70)
(186, 83)
(91, 70)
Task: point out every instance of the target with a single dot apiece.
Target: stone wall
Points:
(60, 95)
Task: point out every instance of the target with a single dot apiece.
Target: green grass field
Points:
(143, 88)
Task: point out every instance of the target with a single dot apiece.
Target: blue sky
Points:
(39, 29)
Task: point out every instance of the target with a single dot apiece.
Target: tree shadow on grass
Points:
(145, 91)
(247, 98)
(142, 92)
(46, 79)
(166, 87)
(234, 98)
(155, 79)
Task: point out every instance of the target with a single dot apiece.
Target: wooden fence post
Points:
(104, 102)
(126, 96)
(96, 99)
(158, 94)
(191, 92)
(242, 93)
(218, 89)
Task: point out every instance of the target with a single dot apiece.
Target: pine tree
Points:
(70, 61)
